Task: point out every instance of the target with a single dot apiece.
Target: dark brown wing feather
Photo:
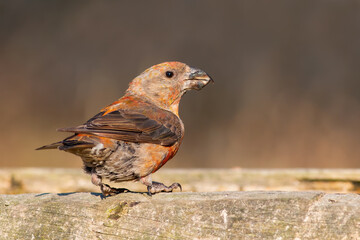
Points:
(146, 124)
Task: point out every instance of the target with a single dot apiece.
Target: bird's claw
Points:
(157, 187)
(110, 191)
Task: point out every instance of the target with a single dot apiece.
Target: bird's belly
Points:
(132, 161)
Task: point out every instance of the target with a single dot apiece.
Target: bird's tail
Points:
(68, 144)
(51, 146)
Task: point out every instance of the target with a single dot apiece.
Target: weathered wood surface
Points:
(211, 213)
(37, 180)
(220, 215)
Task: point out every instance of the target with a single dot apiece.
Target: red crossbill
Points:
(136, 135)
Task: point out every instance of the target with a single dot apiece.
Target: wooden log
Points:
(220, 215)
(37, 180)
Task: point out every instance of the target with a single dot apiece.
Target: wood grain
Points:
(221, 215)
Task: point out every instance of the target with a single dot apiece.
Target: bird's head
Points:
(165, 83)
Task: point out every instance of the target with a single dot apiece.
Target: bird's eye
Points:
(169, 74)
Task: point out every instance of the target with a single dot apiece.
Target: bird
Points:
(136, 135)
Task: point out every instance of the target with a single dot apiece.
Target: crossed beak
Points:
(198, 79)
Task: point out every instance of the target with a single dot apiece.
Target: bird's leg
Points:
(156, 187)
(106, 190)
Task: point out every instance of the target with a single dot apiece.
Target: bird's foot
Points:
(157, 187)
(110, 191)
(106, 190)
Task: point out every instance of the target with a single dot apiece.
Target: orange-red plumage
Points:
(137, 134)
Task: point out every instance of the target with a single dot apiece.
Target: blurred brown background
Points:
(287, 76)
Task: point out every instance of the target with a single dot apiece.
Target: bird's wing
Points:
(144, 123)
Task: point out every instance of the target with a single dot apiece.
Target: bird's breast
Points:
(154, 156)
